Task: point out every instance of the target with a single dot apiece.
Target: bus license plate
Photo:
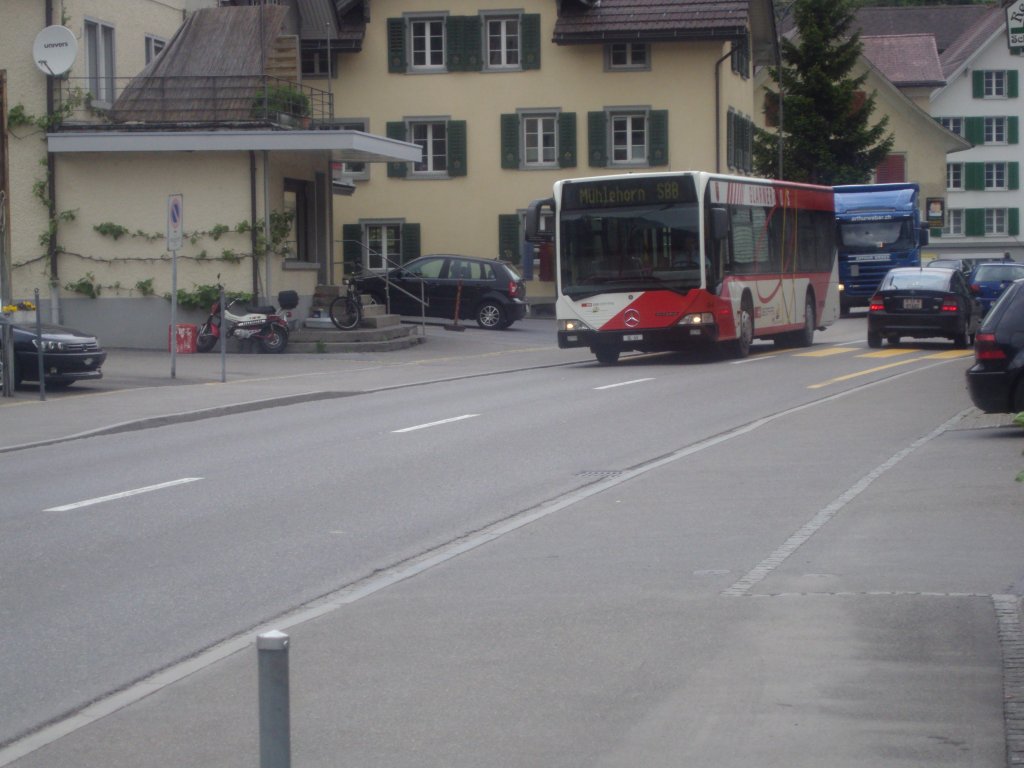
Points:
(911, 303)
(633, 337)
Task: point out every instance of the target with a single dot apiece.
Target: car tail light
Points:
(876, 304)
(985, 347)
(513, 289)
(949, 304)
(975, 288)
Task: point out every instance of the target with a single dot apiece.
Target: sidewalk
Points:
(137, 389)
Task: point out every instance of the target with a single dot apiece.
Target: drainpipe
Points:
(51, 195)
(253, 236)
(718, 109)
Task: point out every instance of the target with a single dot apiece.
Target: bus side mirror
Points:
(924, 234)
(540, 214)
(719, 223)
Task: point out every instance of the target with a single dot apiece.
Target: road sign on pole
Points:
(175, 214)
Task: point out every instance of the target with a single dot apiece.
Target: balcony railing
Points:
(193, 100)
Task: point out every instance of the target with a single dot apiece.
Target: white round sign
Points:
(54, 50)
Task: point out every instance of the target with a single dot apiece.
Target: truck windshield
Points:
(628, 249)
(876, 236)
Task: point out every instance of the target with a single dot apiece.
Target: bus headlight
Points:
(702, 318)
(572, 326)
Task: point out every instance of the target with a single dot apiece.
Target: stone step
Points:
(327, 338)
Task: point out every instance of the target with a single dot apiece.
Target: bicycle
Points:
(347, 310)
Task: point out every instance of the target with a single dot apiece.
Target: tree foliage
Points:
(827, 133)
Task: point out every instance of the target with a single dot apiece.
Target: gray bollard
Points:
(275, 714)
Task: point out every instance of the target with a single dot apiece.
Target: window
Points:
(316, 62)
(629, 139)
(154, 45)
(954, 124)
(995, 130)
(995, 221)
(432, 139)
(427, 38)
(503, 41)
(740, 59)
(739, 141)
(995, 176)
(99, 51)
(627, 56)
(954, 176)
(893, 169)
(954, 222)
(383, 245)
(538, 139)
(351, 169)
(298, 204)
(994, 84)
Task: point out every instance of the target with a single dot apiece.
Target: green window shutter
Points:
(730, 140)
(351, 248)
(1013, 129)
(978, 81)
(510, 141)
(1012, 85)
(508, 237)
(1013, 175)
(531, 41)
(597, 133)
(974, 176)
(396, 45)
(456, 147)
(1013, 221)
(567, 140)
(974, 222)
(463, 42)
(974, 129)
(657, 146)
(397, 131)
(936, 232)
(410, 242)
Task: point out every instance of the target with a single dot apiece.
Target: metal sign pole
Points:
(175, 222)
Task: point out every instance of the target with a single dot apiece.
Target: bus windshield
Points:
(630, 249)
(876, 236)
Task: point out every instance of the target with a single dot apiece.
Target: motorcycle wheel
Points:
(205, 340)
(275, 340)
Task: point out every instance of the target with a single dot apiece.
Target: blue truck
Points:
(878, 227)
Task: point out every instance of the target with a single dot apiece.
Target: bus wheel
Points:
(606, 355)
(805, 337)
(740, 346)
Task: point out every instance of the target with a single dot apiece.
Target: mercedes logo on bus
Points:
(631, 318)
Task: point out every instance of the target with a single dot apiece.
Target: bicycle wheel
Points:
(345, 313)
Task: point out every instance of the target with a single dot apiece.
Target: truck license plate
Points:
(911, 303)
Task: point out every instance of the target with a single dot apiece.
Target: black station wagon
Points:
(486, 290)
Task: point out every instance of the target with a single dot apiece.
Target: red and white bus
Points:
(668, 261)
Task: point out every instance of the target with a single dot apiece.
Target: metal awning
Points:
(349, 146)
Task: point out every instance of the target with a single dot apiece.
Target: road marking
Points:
(435, 423)
(625, 383)
(889, 352)
(951, 354)
(122, 495)
(849, 376)
(826, 352)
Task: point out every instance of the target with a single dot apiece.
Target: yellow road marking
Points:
(952, 354)
(826, 352)
(889, 352)
(849, 376)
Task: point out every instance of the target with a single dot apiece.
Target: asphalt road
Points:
(663, 562)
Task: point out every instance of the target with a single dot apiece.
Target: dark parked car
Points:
(988, 281)
(486, 290)
(68, 355)
(923, 302)
(962, 265)
(996, 380)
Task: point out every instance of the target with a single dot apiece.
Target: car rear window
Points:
(998, 272)
(928, 281)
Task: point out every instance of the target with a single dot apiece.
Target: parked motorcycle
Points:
(263, 324)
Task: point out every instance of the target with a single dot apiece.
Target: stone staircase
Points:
(377, 332)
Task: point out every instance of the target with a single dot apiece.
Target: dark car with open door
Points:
(996, 380)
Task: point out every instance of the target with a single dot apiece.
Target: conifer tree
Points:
(826, 131)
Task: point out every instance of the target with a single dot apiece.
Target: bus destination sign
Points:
(628, 191)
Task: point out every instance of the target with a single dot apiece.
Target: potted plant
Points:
(284, 103)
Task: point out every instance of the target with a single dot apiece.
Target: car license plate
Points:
(633, 337)
(911, 303)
